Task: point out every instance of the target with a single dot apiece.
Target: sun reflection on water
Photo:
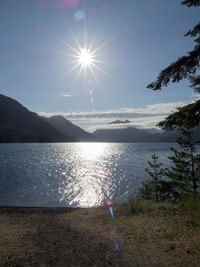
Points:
(88, 188)
(92, 151)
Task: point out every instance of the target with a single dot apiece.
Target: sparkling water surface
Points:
(74, 174)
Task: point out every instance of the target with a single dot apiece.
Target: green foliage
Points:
(186, 66)
(187, 116)
(191, 3)
(194, 32)
(195, 82)
(153, 189)
(183, 174)
(182, 68)
(141, 206)
(189, 204)
(137, 206)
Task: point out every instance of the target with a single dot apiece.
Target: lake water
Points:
(74, 174)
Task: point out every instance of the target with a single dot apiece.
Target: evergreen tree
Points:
(187, 116)
(152, 189)
(183, 174)
(186, 66)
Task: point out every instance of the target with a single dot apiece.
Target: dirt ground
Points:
(83, 237)
(56, 237)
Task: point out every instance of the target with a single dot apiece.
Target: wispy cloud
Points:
(146, 117)
(142, 123)
(65, 95)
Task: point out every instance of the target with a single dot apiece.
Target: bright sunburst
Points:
(86, 55)
(85, 58)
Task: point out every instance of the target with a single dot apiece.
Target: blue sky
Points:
(136, 39)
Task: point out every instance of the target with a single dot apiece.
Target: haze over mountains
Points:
(18, 124)
(133, 135)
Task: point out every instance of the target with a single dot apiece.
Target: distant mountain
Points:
(154, 130)
(132, 134)
(68, 128)
(18, 124)
(119, 122)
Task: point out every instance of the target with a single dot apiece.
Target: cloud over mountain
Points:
(146, 117)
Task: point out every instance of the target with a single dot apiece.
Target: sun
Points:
(85, 58)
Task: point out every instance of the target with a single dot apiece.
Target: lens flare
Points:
(109, 203)
(113, 231)
(79, 15)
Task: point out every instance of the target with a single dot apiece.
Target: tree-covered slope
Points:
(66, 127)
(18, 124)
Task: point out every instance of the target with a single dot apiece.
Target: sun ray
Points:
(102, 45)
(94, 77)
(74, 67)
(86, 57)
(70, 46)
(75, 39)
(100, 61)
(99, 69)
(92, 43)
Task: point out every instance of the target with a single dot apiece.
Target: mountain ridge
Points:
(133, 135)
(18, 124)
(67, 127)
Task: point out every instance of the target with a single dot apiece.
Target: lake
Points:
(74, 174)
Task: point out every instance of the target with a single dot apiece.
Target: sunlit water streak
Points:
(73, 174)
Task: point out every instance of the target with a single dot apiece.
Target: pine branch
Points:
(187, 116)
(190, 3)
(182, 68)
(194, 32)
(195, 82)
